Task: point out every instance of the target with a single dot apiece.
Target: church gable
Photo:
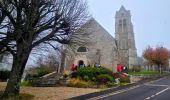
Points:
(97, 34)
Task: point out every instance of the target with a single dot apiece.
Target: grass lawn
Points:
(22, 96)
(145, 73)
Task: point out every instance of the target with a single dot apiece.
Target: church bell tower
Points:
(124, 36)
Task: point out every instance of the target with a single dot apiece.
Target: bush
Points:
(104, 78)
(65, 75)
(86, 78)
(94, 79)
(79, 83)
(39, 72)
(4, 75)
(90, 72)
(25, 83)
(110, 84)
(124, 79)
(116, 75)
(42, 71)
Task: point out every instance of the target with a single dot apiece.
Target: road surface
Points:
(155, 90)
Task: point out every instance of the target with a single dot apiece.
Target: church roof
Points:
(97, 31)
(93, 22)
(123, 11)
(122, 8)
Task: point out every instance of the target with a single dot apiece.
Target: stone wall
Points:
(135, 79)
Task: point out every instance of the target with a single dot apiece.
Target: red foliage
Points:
(159, 56)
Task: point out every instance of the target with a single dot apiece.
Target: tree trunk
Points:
(1, 57)
(160, 69)
(63, 58)
(18, 66)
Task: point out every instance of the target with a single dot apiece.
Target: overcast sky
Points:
(150, 18)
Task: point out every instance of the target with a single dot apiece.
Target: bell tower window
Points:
(120, 23)
(124, 22)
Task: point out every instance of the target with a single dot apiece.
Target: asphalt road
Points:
(155, 90)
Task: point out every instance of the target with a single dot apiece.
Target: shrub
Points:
(25, 83)
(43, 71)
(124, 79)
(104, 78)
(94, 79)
(65, 75)
(4, 75)
(86, 78)
(90, 72)
(79, 83)
(116, 75)
(39, 72)
(110, 84)
(123, 84)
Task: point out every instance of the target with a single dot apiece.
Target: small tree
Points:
(159, 56)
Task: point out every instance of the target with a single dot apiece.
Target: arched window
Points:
(124, 22)
(120, 23)
(120, 26)
(82, 49)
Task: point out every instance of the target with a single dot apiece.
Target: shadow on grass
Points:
(22, 96)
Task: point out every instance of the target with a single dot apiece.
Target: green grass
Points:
(145, 73)
(22, 96)
(25, 83)
(123, 84)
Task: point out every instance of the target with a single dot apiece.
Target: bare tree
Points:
(52, 60)
(28, 24)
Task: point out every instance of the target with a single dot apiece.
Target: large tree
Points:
(157, 56)
(28, 24)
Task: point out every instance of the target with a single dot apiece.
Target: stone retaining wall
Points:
(40, 82)
(134, 79)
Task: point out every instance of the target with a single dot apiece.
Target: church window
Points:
(120, 23)
(124, 25)
(124, 22)
(82, 49)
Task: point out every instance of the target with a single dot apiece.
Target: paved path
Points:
(155, 90)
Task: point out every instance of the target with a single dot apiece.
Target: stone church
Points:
(104, 49)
